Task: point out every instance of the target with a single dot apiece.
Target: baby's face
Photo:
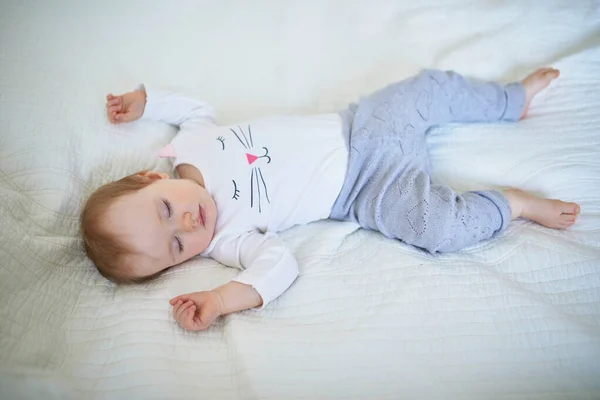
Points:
(167, 222)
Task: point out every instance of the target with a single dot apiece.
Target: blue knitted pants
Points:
(387, 186)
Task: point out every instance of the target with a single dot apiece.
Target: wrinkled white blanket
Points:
(369, 318)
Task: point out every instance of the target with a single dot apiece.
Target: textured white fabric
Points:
(368, 318)
(257, 189)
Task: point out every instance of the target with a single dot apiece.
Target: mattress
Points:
(514, 317)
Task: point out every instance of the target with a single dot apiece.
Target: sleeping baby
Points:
(240, 185)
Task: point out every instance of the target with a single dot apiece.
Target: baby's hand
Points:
(125, 108)
(197, 311)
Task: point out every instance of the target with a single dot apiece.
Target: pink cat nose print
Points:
(251, 158)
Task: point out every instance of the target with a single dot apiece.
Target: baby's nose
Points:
(188, 222)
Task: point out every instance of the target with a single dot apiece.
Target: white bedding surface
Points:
(369, 318)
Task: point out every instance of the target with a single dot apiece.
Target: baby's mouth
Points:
(201, 216)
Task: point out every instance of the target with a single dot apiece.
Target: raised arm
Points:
(172, 108)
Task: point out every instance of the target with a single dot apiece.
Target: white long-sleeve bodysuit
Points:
(265, 176)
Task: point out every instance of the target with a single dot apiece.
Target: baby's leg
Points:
(436, 218)
(446, 96)
(454, 98)
(432, 217)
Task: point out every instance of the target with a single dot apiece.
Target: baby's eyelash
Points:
(169, 209)
(179, 244)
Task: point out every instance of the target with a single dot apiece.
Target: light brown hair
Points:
(106, 250)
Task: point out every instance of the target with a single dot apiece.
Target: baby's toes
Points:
(566, 225)
(569, 208)
(550, 74)
(566, 220)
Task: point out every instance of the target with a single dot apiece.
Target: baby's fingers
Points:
(176, 306)
(114, 102)
(113, 110)
(182, 298)
(112, 116)
(124, 117)
(114, 105)
(182, 309)
(187, 318)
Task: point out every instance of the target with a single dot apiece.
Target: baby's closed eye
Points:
(168, 210)
(236, 192)
(178, 244)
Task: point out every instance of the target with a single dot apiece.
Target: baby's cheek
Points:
(199, 243)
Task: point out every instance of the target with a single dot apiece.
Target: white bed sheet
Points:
(369, 318)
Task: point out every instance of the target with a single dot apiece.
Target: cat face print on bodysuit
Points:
(235, 147)
(242, 143)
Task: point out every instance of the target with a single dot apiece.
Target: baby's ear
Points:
(153, 175)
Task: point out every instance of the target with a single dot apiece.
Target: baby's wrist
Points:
(235, 296)
(219, 299)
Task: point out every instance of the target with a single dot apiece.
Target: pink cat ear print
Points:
(167, 151)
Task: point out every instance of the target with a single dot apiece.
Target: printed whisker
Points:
(264, 185)
(257, 187)
(244, 135)
(238, 138)
(252, 189)
(250, 133)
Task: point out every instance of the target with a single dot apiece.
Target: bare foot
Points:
(551, 213)
(536, 82)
